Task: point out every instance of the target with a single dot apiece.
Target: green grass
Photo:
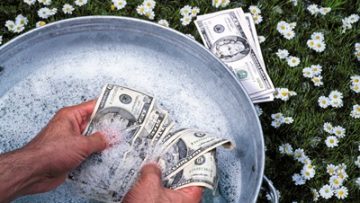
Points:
(338, 62)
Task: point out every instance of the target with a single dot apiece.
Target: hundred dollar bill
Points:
(227, 35)
(200, 172)
(191, 144)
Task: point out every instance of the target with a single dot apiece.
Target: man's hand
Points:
(44, 163)
(149, 189)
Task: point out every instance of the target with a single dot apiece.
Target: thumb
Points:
(150, 174)
(193, 193)
(96, 142)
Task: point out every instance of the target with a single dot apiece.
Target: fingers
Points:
(192, 193)
(150, 174)
(85, 109)
(96, 142)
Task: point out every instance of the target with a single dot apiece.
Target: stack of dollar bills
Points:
(232, 37)
(140, 132)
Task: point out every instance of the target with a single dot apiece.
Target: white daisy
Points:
(10, 25)
(341, 193)
(328, 127)
(335, 94)
(150, 14)
(276, 123)
(140, 9)
(292, 25)
(355, 79)
(331, 169)
(298, 179)
(313, 9)
(317, 80)
(119, 4)
(331, 141)
(293, 61)
(289, 35)
(149, 4)
(311, 43)
(324, 10)
(186, 20)
(286, 149)
(283, 27)
(277, 116)
(308, 173)
(339, 131)
(315, 195)
(254, 10)
(282, 53)
(292, 93)
(355, 113)
(80, 2)
(216, 3)
(282, 93)
(357, 46)
(316, 69)
(288, 120)
(354, 18)
(336, 103)
(29, 2)
(46, 12)
(163, 22)
(335, 181)
(257, 18)
(323, 102)
(308, 72)
(348, 21)
(186, 10)
(326, 192)
(21, 20)
(194, 11)
(319, 46)
(45, 2)
(67, 9)
(341, 173)
(299, 154)
(261, 39)
(19, 28)
(40, 23)
(225, 3)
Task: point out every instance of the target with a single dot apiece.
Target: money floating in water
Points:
(139, 131)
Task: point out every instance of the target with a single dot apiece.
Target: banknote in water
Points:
(228, 36)
(191, 144)
(142, 132)
(200, 172)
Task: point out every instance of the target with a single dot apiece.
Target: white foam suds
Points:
(30, 104)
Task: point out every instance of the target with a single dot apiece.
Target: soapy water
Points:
(30, 104)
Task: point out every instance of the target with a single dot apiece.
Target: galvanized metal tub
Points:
(128, 45)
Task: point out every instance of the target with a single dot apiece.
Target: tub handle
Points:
(271, 189)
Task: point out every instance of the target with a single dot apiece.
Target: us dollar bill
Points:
(129, 104)
(266, 97)
(186, 156)
(200, 172)
(191, 144)
(228, 36)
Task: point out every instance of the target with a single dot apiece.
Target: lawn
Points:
(339, 144)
